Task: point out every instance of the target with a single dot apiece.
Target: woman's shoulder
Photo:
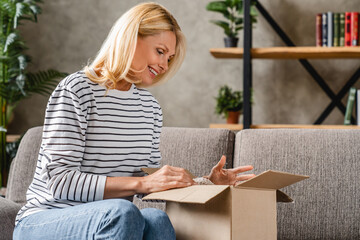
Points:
(146, 95)
(77, 83)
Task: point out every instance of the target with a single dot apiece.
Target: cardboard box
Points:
(222, 212)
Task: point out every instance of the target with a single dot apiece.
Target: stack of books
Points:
(337, 29)
(353, 102)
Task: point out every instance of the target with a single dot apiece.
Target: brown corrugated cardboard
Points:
(246, 211)
(273, 180)
(192, 194)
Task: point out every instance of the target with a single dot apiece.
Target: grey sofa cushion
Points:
(327, 205)
(23, 166)
(195, 149)
(8, 211)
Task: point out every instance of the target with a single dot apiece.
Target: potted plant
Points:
(16, 83)
(229, 104)
(233, 12)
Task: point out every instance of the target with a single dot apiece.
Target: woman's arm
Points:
(171, 177)
(165, 178)
(64, 141)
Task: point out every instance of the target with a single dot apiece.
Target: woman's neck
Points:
(122, 85)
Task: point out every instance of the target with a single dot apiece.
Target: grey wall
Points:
(70, 32)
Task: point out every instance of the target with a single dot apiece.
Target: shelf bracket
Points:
(354, 78)
(335, 99)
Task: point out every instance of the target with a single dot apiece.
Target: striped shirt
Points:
(91, 133)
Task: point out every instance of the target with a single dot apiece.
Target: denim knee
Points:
(123, 219)
(154, 214)
(157, 225)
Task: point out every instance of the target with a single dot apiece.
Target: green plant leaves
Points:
(224, 25)
(18, 13)
(219, 6)
(43, 82)
(11, 149)
(232, 10)
(228, 100)
(22, 62)
(15, 82)
(24, 85)
(20, 82)
(11, 38)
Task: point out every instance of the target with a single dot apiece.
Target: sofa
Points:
(326, 206)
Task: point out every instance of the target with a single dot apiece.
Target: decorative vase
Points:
(231, 41)
(233, 117)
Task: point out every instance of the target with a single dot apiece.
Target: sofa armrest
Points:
(8, 211)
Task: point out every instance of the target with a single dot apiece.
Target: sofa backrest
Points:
(327, 205)
(23, 166)
(195, 149)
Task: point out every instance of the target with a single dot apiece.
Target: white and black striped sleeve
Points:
(155, 156)
(63, 146)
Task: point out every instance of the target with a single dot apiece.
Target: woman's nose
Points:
(164, 66)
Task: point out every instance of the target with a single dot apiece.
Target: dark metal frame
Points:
(247, 65)
(247, 78)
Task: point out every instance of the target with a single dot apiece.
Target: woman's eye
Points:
(160, 51)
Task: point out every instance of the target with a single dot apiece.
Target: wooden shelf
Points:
(237, 127)
(289, 52)
(12, 138)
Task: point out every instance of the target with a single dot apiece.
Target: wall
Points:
(71, 32)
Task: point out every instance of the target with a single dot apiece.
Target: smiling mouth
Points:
(153, 71)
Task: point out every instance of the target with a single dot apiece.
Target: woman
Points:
(100, 128)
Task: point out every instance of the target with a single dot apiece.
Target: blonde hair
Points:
(117, 52)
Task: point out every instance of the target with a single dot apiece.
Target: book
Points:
(349, 106)
(330, 26)
(347, 29)
(336, 40)
(354, 29)
(358, 107)
(342, 30)
(324, 30)
(318, 30)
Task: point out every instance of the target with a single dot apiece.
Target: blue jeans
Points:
(107, 219)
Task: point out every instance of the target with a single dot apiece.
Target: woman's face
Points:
(152, 55)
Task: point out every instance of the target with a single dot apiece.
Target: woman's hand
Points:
(165, 178)
(222, 176)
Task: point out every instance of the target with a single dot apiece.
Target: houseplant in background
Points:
(229, 104)
(232, 10)
(16, 83)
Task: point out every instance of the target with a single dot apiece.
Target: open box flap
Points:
(272, 180)
(193, 194)
(283, 197)
(152, 170)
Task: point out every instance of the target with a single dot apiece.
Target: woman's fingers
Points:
(168, 183)
(177, 178)
(244, 177)
(241, 169)
(182, 173)
(220, 165)
(169, 177)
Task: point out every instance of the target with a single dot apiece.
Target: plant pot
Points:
(231, 41)
(233, 117)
